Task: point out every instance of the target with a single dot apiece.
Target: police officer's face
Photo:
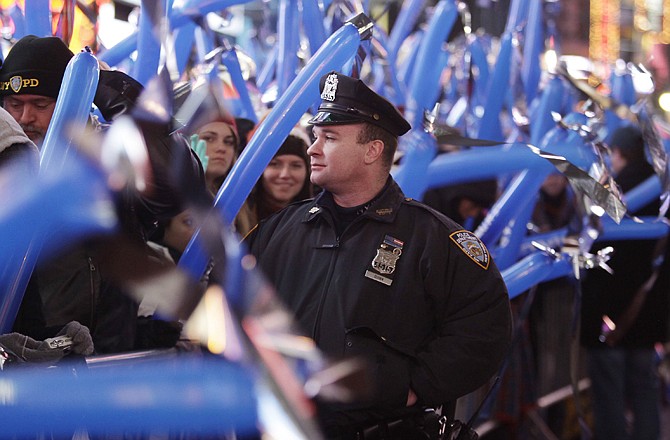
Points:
(32, 112)
(336, 156)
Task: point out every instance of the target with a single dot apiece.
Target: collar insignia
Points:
(314, 210)
(384, 211)
(329, 88)
(15, 82)
(472, 247)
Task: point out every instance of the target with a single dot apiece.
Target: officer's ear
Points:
(374, 151)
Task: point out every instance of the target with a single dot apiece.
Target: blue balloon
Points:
(206, 395)
(303, 91)
(650, 229)
(420, 148)
(38, 17)
(425, 84)
(289, 42)
(536, 268)
(479, 163)
(70, 114)
(622, 87)
(232, 63)
(489, 125)
(19, 21)
(116, 54)
(643, 194)
(518, 11)
(532, 49)
(512, 202)
(183, 42)
(72, 110)
(404, 24)
(483, 71)
(148, 43)
(266, 75)
(43, 215)
(550, 101)
(312, 21)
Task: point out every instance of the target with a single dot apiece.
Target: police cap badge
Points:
(347, 100)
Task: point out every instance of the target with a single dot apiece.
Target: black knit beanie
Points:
(296, 146)
(34, 66)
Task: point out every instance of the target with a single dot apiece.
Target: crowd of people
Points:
(366, 271)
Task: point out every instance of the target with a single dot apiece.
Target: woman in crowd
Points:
(284, 180)
(222, 144)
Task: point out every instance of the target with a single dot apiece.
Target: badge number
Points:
(385, 261)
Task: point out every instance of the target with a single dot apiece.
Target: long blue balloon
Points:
(205, 396)
(478, 59)
(312, 21)
(518, 11)
(289, 41)
(425, 83)
(409, 12)
(38, 17)
(183, 42)
(629, 229)
(549, 101)
(120, 51)
(42, 215)
(19, 21)
(73, 107)
(480, 163)
(70, 114)
(489, 125)
(534, 269)
(532, 49)
(643, 194)
(420, 148)
(231, 61)
(148, 42)
(303, 91)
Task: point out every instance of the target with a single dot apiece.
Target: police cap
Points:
(347, 100)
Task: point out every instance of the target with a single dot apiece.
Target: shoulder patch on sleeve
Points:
(472, 247)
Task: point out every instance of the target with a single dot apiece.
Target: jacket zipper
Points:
(326, 286)
(92, 270)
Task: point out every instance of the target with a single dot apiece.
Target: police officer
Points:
(369, 272)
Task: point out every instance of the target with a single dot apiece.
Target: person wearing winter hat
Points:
(285, 180)
(78, 285)
(31, 77)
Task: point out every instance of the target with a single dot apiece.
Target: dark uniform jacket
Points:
(403, 285)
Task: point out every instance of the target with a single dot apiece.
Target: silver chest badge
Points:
(384, 263)
(330, 88)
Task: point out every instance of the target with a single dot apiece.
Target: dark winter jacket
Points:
(403, 286)
(78, 284)
(632, 262)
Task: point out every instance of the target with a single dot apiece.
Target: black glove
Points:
(82, 343)
(25, 349)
